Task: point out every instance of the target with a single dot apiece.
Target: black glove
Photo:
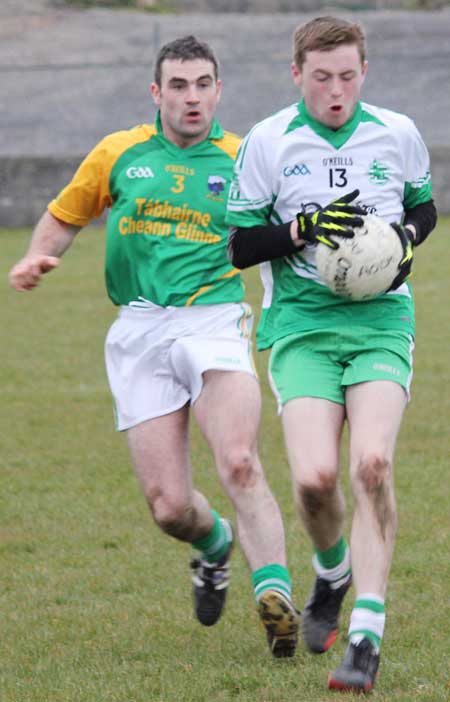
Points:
(337, 218)
(407, 240)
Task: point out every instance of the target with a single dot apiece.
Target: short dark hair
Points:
(325, 34)
(186, 48)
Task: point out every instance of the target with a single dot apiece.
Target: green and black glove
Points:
(338, 218)
(404, 267)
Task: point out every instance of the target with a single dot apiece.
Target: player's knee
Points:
(175, 518)
(373, 472)
(314, 494)
(240, 468)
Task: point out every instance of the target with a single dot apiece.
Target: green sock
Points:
(333, 556)
(271, 577)
(367, 619)
(333, 564)
(215, 544)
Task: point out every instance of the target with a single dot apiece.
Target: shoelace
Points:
(210, 574)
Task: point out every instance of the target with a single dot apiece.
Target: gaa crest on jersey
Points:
(139, 172)
(216, 186)
(378, 173)
(299, 169)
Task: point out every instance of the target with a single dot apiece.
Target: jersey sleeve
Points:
(250, 198)
(87, 194)
(418, 186)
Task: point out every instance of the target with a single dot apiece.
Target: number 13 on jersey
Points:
(337, 177)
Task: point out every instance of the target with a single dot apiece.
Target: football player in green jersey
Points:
(182, 337)
(307, 175)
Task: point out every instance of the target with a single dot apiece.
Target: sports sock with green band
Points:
(271, 577)
(333, 556)
(213, 546)
(367, 619)
(333, 564)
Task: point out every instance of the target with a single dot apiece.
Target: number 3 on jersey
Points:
(179, 187)
(337, 177)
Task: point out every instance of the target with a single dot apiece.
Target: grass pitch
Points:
(95, 602)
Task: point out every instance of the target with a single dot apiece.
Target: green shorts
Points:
(324, 362)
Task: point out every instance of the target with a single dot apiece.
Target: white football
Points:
(362, 267)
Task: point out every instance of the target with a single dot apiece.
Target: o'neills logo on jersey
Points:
(337, 161)
(140, 172)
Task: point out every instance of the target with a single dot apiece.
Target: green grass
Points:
(95, 602)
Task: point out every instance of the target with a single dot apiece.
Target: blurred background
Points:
(73, 71)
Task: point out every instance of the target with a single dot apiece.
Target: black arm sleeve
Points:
(424, 218)
(248, 246)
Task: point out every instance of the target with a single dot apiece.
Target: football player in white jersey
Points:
(306, 175)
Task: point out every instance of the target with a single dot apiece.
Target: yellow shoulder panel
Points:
(87, 194)
(229, 143)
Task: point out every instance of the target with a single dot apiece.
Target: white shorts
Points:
(155, 356)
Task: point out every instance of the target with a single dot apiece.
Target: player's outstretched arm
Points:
(50, 239)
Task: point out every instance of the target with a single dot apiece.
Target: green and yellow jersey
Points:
(166, 231)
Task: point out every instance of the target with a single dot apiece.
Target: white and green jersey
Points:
(290, 162)
(166, 231)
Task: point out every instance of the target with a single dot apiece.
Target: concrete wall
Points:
(68, 77)
(41, 7)
(261, 6)
(440, 171)
(28, 184)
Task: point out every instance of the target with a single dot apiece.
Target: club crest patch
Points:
(216, 186)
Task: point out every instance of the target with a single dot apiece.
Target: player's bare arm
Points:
(51, 238)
